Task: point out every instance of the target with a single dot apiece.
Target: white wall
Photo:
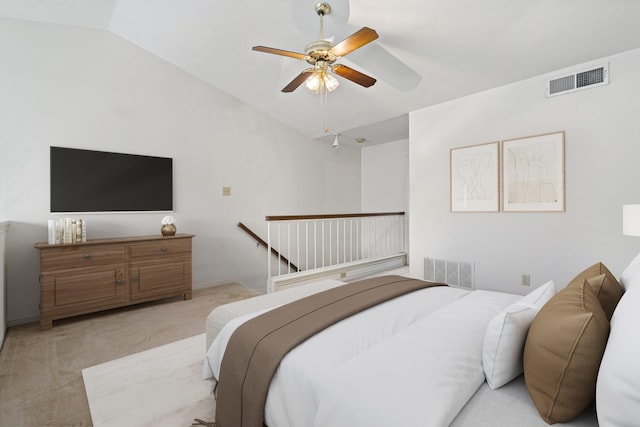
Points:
(602, 173)
(85, 88)
(385, 177)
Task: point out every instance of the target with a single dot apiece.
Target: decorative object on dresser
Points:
(168, 226)
(100, 274)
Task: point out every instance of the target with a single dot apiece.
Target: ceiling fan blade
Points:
(353, 75)
(295, 83)
(356, 40)
(279, 52)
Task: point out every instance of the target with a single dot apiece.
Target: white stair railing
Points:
(320, 245)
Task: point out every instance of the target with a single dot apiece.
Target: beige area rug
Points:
(158, 387)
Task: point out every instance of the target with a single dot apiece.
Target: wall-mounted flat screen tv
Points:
(100, 181)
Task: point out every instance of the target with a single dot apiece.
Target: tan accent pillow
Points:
(563, 351)
(607, 289)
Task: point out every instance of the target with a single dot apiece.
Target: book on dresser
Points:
(66, 230)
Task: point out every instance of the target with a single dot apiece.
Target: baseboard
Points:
(211, 285)
(22, 321)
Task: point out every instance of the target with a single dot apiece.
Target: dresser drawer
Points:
(160, 248)
(79, 256)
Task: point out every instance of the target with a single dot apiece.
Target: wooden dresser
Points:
(100, 274)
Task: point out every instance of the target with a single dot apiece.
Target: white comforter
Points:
(412, 361)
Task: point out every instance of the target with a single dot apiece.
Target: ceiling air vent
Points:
(577, 81)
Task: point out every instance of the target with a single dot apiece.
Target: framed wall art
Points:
(533, 178)
(475, 178)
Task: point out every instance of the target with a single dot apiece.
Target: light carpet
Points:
(158, 387)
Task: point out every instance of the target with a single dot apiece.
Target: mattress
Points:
(510, 406)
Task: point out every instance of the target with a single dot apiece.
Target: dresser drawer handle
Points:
(87, 256)
(134, 278)
(164, 249)
(119, 282)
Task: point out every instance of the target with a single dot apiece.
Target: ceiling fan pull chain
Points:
(323, 108)
(324, 98)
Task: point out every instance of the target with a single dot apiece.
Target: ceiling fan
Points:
(322, 55)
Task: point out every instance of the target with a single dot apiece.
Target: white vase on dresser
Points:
(3, 281)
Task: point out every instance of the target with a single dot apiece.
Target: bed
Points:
(448, 356)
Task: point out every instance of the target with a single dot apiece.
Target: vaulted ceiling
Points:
(428, 52)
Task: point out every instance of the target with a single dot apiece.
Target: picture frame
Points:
(533, 173)
(475, 178)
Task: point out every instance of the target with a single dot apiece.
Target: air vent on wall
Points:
(454, 273)
(586, 79)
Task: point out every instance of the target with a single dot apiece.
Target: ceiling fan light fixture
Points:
(330, 82)
(320, 81)
(313, 83)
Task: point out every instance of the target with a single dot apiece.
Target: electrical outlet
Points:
(525, 280)
(343, 274)
(226, 191)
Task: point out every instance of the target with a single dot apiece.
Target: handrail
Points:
(263, 243)
(329, 216)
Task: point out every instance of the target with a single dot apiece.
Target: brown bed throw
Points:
(256, 347)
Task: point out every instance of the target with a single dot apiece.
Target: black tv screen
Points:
(99, 181)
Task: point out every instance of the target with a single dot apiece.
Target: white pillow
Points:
(618, 385)
(506, 334)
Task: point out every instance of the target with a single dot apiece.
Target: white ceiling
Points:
(428, 52)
